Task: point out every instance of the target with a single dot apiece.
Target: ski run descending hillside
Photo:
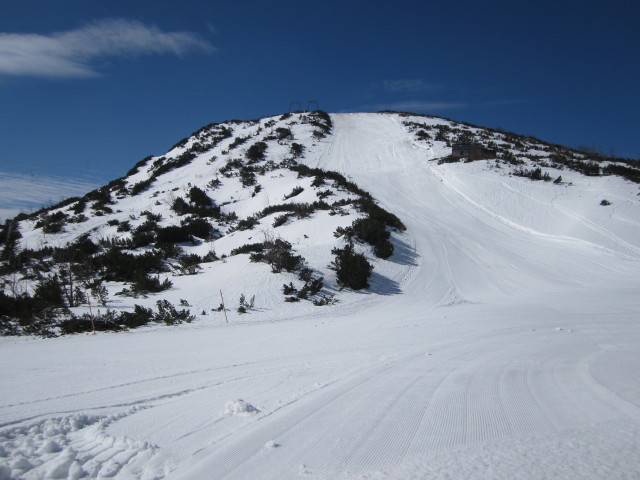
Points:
(500, 340)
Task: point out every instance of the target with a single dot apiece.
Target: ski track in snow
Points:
(512, 353)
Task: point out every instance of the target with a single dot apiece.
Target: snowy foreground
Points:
(505, 344)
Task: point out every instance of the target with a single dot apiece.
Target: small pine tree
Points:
(352, 269)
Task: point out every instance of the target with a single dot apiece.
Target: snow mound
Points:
(240, 408)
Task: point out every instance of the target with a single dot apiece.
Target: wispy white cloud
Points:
(23, 192)
(70, 53)
(409, 85)
(416, 106)
(423, 106)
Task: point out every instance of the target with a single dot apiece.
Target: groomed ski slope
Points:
(505, 344)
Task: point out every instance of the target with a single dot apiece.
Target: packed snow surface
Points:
(503, 343)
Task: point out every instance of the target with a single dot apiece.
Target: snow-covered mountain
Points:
(238, 208)
(497, 336)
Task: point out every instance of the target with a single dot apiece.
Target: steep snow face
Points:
(504, 345)
(480, 230)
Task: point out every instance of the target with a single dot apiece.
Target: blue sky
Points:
(88, 88)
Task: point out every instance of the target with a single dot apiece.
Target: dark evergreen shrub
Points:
(77, 251)
(237, 142)
(305, 274)
(375, 212)
(137, 166)
(311, 288)
(383, 249)
(295, 192)
(41, 324)
(173, 234)
(277, 253)
(591, 169)
(248, 248)
(168, 165)
(322, 120)
(140, 316)
(215, 183)
(352, 269)
(79, 207)
(144, 284)
(198, 227)
(49, 292)
(180, 206)
(124, 226)
(189, 264)
(147, 226)
(297, 150)
(199, 198)
(247, 176)
(22, 308)
(339, 179)
(169, 250)
(141, 186)
(256, 152)
(289, 289)
(632, 174)
(10, 233)
(78, 218)
(152, 217)
(52, 223)
(535, 174)
(125, 267)
(370, 230)
(101, 196)
(248, 223)
(280, 220)
(284, 133)
(423, 135)
(210, 257)
(443, 133)
(142, 238)
(86, 323)
(168, 314)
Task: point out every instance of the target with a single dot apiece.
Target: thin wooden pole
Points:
(223, 307)
(93, 324)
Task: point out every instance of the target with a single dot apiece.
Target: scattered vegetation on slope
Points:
(516, 150)
(50, 290)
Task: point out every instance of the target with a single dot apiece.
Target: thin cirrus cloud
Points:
(420, 106)
(409, 85)
(23, 192)
(417, 106)
(71, 53)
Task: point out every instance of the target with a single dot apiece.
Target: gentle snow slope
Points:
(512, 351)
